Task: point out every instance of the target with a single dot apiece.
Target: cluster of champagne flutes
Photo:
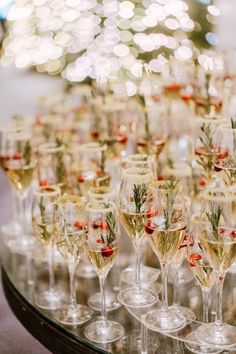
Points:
(91, 161)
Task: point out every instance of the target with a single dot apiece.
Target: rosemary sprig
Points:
(27, 153)
(45, 234)
(206, 159)
(233, 124)
(140, 194)
(111, 223)
(171, 187)
(60, 167)
(214, 219)
(103, 145)
(208, 105)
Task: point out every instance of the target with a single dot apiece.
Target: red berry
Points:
(222, 230)
(149, 227)
(160, 178)
(80, 225)
(233, 234)
(151, 213)
(99, 240)
(123, 139)
(141, 143)
(43, 183)
(202, 182)
(195, 257)
(217, 168)
(199, 151)
(185, 97)
(17, 156)
(80, 179)
(103, 225)
(107, 251)
(95, 225)
(95, 135)
(222, 154)
(99, 172)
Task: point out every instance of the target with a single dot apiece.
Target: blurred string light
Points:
(104, 40)
(5, 6)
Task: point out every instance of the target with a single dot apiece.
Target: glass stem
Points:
(176, 286)
(164, 272)
(103, 296)
(144, 345)
(51, 270)
(205, 304)
(73, 301)
(21, 210)
(219, 307)
(138, 254)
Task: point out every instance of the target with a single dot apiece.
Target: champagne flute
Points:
(69, 238)
(225, 153)
(166, 228)
(140, 161)
(102, 194)
(205, 277)
(101, 247)
(218, 242)
(52, 167)
(20, 167)
(132, 202)
(44, 220)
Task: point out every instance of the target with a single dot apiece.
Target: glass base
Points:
(74, 315)
(147, 275)
(188, 314)
(112, 303)
(50, 300)
(221, 336)
(164, 320)
(104, 331)
(198, 348)
(133, 297)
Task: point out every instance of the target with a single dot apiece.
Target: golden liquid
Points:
(99, 261)
(153, 147)
(43, 231)
(165, 243)
(133, 224)
(20, 177)
(70, 245)
(93, 181)
(220, 255)
(179, 256)
(203, 273)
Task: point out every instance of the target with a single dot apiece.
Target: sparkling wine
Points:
(154, 146)
(70, 245)
(133, 224)
(102, 259)
(202, 270)
(165, 243)
(220, 251)
(45, 230)
(20, 176)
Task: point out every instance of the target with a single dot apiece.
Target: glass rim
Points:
(137, 158)
(50, 190)
(105, 190)
(89, 147)
(226, 127)
(155, 185)
(18, 136)
(138, 174)
(75, 199)
(229, 194)
(47, 148)
(100, 206)
(179, 169)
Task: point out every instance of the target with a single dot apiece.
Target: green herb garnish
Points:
(140, 194)
(60, 167)
(214, 219)
(171, 188)
(111, 223)
(27, 153)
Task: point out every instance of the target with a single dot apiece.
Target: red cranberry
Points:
(17, 156)
(233, 234)
(151, 213)
(222, 154)
(199, 151)
(99, 240)
(95, 225)
(80, 179)
(160, 178)
(80, 225)
(149, 227)
(103, 225)
(43, 183)
(107, 251)
(202, 182)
